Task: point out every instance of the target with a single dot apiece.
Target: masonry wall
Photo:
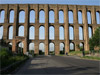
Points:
(37, 7)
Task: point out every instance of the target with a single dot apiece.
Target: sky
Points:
(70, 2)
(77, 2)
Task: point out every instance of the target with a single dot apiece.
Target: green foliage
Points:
(80, 47)
(91, 57)
(95, 40)
(31, 52)
(62, 52)
(7, 58)
(77, 52)
(52, 53)
(4, 53)
(40, 52)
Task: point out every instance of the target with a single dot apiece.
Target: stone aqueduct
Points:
(47, 7)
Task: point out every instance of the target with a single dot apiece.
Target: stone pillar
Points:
(56, 31)
(66, 29)
(14, 46)
(93, 14)
(57, 48)
(76, 27)
(15, 28)
(46, 29)
(86, 36)
(16, 17)
(36, 51)
(26, 31)
(6, 21)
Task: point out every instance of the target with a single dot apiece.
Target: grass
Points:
(7, 58)
(12, 59)
(79, 53)
(91, 57)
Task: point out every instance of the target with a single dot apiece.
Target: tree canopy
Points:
(95, 40)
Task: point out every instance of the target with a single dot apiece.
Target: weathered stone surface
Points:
(46, 8)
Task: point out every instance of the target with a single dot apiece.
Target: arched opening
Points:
(62, 48)
(71, 33)
(22, 16)
(61, 16)
(42, 33)
(90, 31)
(11, 19)
(61, 31)
(80, 17)
(98, 17)
(81, 33)
(89, 17)
(1, 32)
(2, 16)
(51, 16)
(51, 33)
(81, 46)
(72, 47)
(10, 46)
(11, 32)
(20, 47)
(32, 16)
(21, 31)
(31, 48)
(42, 16)
(41, 49)
(32, 32)
(70, 16)
(51, 49)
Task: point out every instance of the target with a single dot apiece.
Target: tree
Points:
(95, 40)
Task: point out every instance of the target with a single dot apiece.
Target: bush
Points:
(7, 58)
(40, 52)
(4, 53)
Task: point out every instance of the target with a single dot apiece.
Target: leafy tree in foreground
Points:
(95, 40)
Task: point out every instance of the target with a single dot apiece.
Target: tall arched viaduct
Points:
(46, 8)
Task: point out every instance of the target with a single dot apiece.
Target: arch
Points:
(51, 16)
(41, 32)
(72, 46)
(81, 33)
(41, 49)
(90, 31)
(71, 33)
(31, 46)
(81, 46)
(61, 33)
(70, 12)
(62, 48)
(51, 33)
(61, 16)
(21, 31)
(1, 32)
(80, 17)
(11, 18)
(22, 16)
(51, 48)
(89, 17)
(32, 16)
(41, 16)
(10, 32)
(2, 16)
(32, 32)
(98, 17)
(20, 47)
(10, 46)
